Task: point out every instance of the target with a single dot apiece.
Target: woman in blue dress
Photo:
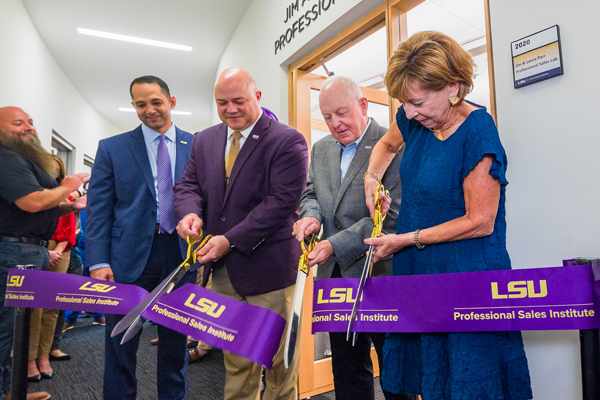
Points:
(451, 219)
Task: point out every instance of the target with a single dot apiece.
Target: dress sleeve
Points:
(403, 123)
(482, 140)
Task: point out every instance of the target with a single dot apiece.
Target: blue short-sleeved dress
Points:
(452, 366)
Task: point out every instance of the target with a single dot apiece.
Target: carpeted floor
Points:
(81, 377)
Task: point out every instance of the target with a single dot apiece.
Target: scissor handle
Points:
(303, 264)
(191, 252)
(378, 221)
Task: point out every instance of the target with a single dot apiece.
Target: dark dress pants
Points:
(120, 382)
(352, 365)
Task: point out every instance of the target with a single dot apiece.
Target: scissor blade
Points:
(361, 286)
(133, 329)
(133, 315)
(292, 333)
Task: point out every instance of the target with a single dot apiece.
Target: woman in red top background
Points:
(43, 321)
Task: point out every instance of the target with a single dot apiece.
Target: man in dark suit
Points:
(131, 234)
(335, 199)
(248, 202)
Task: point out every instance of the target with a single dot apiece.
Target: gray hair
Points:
(350, 86)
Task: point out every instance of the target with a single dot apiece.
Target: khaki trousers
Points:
(43, 321)
(242, 376)
(199, 278)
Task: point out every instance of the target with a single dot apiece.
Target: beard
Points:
(30, 149)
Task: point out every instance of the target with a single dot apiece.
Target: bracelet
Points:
(373, 175)
(417, 243)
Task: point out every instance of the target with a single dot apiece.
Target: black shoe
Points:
(47, 375)
(35, 378)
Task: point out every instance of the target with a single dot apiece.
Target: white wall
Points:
(252, 46)
(552, 140)
(32, 80)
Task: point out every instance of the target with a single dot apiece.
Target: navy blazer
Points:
(121, 210)
(257, 209)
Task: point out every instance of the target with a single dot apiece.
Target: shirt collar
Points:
(150, 135)
(357, 141)
(246, 132)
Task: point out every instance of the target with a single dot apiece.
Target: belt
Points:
(38, 242)
(158, 232)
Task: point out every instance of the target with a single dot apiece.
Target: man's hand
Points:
(320, 253)
(189, 225)
(74, 181)
(305, 227)
(104, 274)
(80, 203)
(55, 257)
(214, 249)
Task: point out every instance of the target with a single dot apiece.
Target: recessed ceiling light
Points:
(172, 111)
(133, 39)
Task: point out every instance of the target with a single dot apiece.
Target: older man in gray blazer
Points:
(334, 198)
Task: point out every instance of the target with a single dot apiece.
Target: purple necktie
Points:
(168, 221)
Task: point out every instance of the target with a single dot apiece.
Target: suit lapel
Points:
(182, 151)
(218, 166)
(137, 145)
(253, 139)
(362, 155)
(334, 157)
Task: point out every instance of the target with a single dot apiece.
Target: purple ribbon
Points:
(525, 299)
(246, 330)
(44, 289)
(249, 331)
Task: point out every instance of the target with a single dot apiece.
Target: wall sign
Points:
(299, 14)
(537, 57)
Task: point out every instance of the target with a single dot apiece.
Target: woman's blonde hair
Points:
(63, 170)
(432, 60)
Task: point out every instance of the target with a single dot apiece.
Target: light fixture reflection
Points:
(133, 39)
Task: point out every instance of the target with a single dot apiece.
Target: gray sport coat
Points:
(341, 207)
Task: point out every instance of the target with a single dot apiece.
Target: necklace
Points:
(438, 132)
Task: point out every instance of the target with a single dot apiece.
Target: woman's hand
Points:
(55, 257)
(370, 190)
(386, 245)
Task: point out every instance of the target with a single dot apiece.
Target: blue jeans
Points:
(11, 255)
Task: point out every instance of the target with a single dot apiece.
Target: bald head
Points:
(344, 109)
(238, 100)
(18, 134)
(16, 123)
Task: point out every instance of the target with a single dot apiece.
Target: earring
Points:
(454, 100)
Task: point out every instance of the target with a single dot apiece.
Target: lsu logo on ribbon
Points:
(97, 287)
(15, 281)
(205, 305)
(520, 290)
(337, 295)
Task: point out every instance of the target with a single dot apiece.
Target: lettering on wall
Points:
(299, 15)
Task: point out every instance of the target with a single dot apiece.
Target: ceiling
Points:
(102, 69)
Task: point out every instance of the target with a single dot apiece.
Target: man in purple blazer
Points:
(242, 184)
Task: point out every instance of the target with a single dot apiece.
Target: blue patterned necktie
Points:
(168, 221)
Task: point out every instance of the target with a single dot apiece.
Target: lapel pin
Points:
(254, 136)
(183, 142)
(368, 148)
